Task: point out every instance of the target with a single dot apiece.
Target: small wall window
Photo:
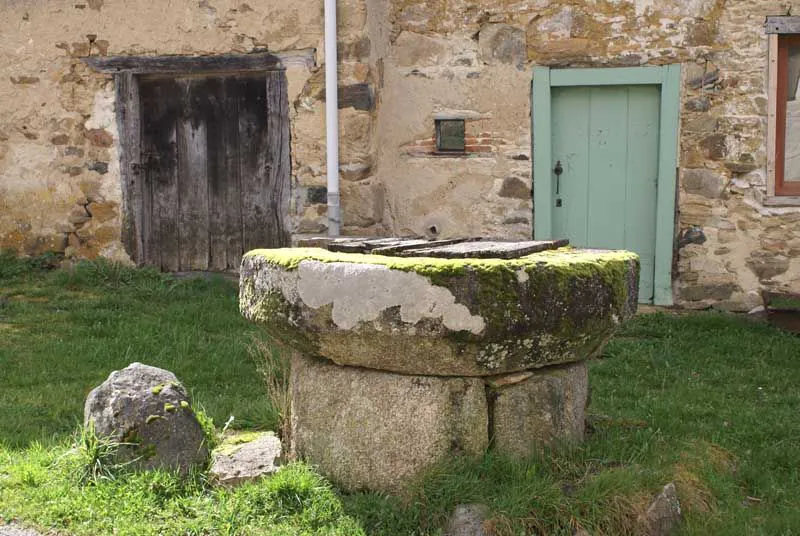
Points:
(787, 124)
(783, 138)
(450, 135)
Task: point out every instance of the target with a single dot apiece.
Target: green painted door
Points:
(606, 139)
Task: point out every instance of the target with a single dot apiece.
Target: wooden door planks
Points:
(159, 162)
(129, 119)
(254, 163)
(279, 158)
(225, 190)
(193, 132)
(215, 159)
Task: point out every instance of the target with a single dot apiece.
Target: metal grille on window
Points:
(450, 135)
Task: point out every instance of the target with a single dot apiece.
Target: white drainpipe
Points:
(332, 118)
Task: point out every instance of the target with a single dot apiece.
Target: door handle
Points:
(558, 170)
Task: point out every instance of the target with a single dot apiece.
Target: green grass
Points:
(45, 487)
(62, 333)
(707, 400)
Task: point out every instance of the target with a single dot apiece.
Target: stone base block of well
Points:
(544, 406)
(367, 429)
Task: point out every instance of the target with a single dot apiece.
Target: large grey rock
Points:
(245, 457)
(663, 516)
(149, 410)
(548, 406)
(467, 520)
(375, 430)
(440, 317)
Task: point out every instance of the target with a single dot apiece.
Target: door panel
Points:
(254, 164)
(211, 190)
(642, 183)
(607, 139)
(571, 148)
(608, 115)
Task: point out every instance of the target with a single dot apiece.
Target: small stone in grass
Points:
(245, 457)
(663, 516)
(467, 520)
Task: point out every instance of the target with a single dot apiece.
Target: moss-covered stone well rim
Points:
(290, 259)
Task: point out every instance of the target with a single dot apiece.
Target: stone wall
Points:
(474, 57)
(59, 160)
(403, 63)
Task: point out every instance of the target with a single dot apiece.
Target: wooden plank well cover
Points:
(456, 248)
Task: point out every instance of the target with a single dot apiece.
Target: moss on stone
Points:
(276, 314)
(290, 258)
(230, 445)
(559, 268)
(147, 452)
(548, 307)
(244, 437)
(157, 390)
(170, 407)
(152, 418)
(131, 436)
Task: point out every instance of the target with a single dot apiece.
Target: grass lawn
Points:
(709, 401)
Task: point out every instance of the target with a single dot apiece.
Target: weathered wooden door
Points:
(605, 143)
(215, 168)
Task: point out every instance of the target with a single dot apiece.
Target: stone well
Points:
(402, 361)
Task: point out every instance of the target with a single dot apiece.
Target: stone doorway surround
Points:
(128, 70)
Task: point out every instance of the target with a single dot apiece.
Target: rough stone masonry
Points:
(403, 63)
(399, 363)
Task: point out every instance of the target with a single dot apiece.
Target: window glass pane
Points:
(791, 171)
(450, 134)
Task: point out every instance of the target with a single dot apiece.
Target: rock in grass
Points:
(664, 514)
(148, 411)
(467, 520)
(245, 457)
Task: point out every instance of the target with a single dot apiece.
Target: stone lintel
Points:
(782, 25)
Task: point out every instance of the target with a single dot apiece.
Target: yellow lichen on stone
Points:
(232, 444)
(290, 258)
(499, 315)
